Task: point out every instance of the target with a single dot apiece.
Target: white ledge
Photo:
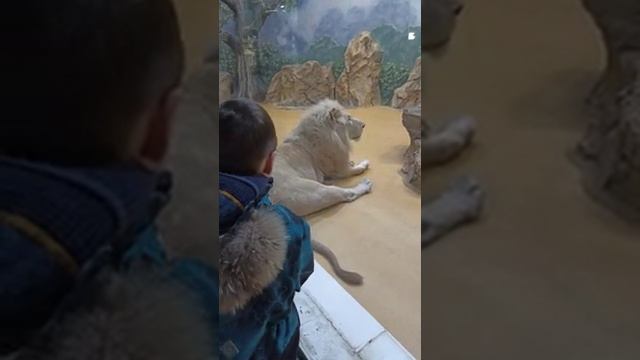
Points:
(335, 326)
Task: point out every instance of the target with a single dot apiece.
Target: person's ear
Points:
(268, 166)
(159, 128)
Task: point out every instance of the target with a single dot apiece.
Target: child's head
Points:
(247, 138)
(89, 82)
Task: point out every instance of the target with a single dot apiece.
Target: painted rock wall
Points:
(359, 84)
(609, 153)
(409, 94)
(301, 85)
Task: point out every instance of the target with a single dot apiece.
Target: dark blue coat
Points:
(266, 256)
(73, 243)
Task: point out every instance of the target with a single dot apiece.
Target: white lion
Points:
(316, 152)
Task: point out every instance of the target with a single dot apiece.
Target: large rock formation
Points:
(609, 153)
(302, 85)
(226, 87)
(359, 84)
(409, 94)
(412, 164)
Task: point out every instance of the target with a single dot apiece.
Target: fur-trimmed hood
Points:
(253, 240)
(265, 257)
(252, 255)
(139, 315)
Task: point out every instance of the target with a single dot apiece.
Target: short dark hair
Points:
(247, 135)
(79, 72)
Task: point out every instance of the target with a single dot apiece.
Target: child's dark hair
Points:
(247, 136)
(78, 73)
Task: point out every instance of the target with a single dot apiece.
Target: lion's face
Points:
(355, 127)
(440, 19)
(346, 125)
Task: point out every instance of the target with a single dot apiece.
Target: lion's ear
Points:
(335, 114)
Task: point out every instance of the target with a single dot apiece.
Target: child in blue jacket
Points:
(266, 252)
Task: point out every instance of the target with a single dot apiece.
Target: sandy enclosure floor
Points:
(547, 273)
(378, 235)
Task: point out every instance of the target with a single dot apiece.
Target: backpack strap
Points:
(88, 280)
(233, 199)
(42, 238)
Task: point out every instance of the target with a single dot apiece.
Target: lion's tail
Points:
(351, 278)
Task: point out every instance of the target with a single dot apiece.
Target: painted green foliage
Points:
(392, 77)
(270, 61)
(397, 47)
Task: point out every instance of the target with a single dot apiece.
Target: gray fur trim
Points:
(252, 257)
(140, 315)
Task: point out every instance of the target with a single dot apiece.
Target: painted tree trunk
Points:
(248, 81)
(249, 16)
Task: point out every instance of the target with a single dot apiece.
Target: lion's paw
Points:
(360, 168)
(365, 186)
(359, 190)
(364, 164)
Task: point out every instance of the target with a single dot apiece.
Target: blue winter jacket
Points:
(266, 256)
(83, 271)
